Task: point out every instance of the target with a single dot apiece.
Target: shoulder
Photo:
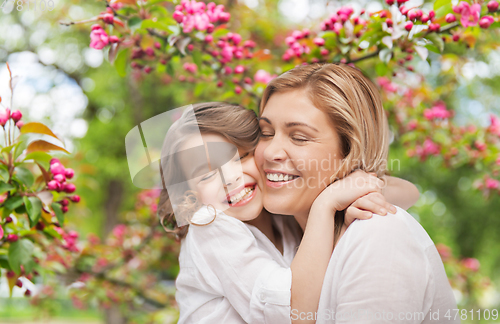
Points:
(399, 228)
(219, 226)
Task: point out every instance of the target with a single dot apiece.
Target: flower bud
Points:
(319, 41)
(408, 25)
(237, 89)
(178, 16)
(60, 178)
(114, 39)
(8, 219)
(57, 168)
(492, 6)
(486, 21)
(12, 238)
(53, 185)
(69, 173)
(75, 198)
(64, 209)
(69, 188)
(16, 115)
(108, 18)
(450, 18)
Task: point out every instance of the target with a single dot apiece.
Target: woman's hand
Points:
(364, 207)
(342, 193)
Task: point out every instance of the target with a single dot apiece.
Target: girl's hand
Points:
(342, 193)
(364, 207)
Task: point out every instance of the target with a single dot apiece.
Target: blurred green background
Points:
(74, 90)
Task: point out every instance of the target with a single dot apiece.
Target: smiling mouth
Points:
(242, 195)
(280, 177)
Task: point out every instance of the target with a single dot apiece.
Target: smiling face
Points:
(298, 152)
(236, 191)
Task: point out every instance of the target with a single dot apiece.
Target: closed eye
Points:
(209, 175)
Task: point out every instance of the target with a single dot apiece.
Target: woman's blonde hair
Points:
(354, 106)
(237, 124)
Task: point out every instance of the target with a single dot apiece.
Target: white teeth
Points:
(244, 193)
(275, 177)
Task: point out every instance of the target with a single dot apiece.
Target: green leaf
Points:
(8, 149)
(34, 209)
(4, 262)
(13, 202)
(381, 69)
(148, 23)
(432, 48)
(59, 214)
(121, 62)
(436, 40)
(40, 157)
(5, 187)
(20, 253)
(170, 68)
(220, 32)
(134, 23)
(197, 59)
(443, 10)
(25, 176)
(4, 172)
(152, 2)
(52, 232)
(439, 3)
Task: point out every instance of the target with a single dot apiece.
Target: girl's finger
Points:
(367, 204)
(379, 199)
(353, 213)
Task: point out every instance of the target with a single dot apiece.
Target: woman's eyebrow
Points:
(264, 119)
(292, 124)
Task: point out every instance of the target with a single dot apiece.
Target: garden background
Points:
(80, 242)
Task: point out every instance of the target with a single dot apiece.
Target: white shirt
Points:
(386, 266)
(231, 273)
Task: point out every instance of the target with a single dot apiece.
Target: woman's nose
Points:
(274, 152)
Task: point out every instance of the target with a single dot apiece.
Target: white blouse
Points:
(230, 272)
(386, 270)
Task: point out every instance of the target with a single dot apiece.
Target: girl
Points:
(230, 272)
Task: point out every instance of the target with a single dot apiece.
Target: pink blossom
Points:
(239, 69)
(437, 112)
(1, 231)
(319, 41)
(470, 14)
(98, 39)
(178, 16)
(431, 148)
(4, 117)
(480, 145)
(190, 67)
(263, 76)
(119, 230)
(495, 125)
(444, 251)
(412, 124)
(471, 263)
(492, 183)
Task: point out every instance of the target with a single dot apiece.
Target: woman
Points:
(319, 122)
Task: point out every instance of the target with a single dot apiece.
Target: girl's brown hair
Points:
(237, 124)
(354, 106)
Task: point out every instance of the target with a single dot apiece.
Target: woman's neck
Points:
(301, 218)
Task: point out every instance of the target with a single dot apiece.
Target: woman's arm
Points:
(400, 192)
